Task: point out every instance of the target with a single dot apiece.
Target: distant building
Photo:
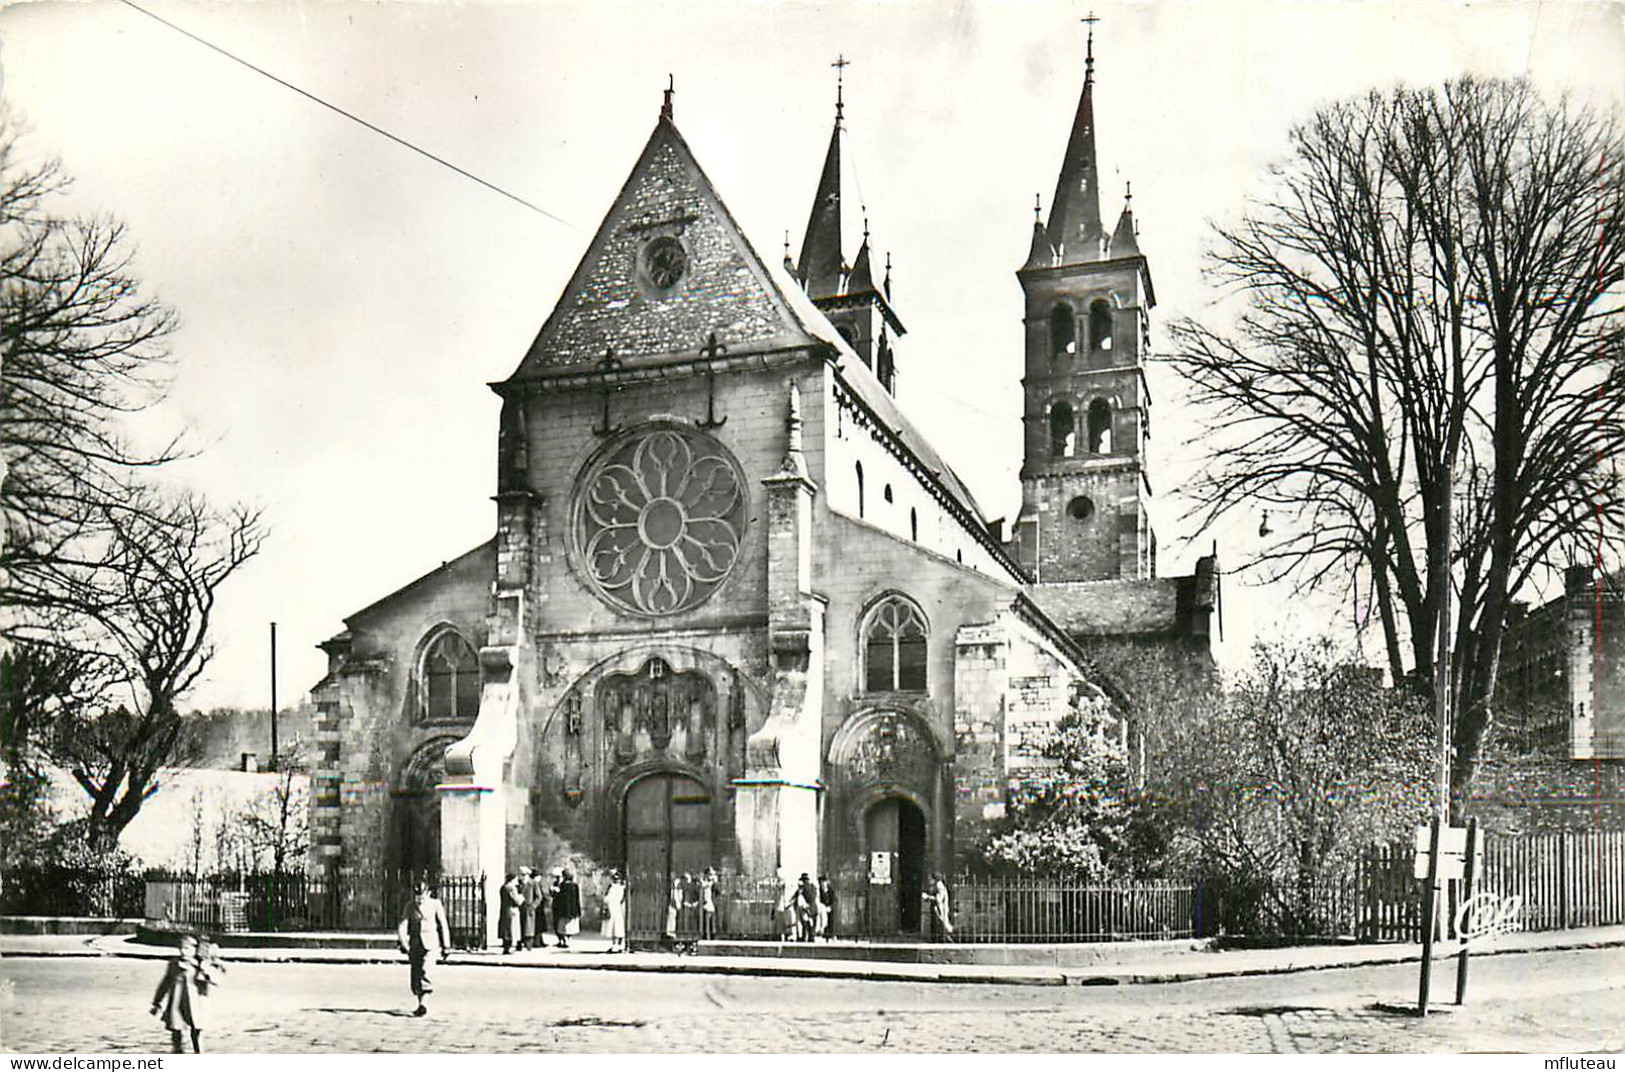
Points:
(1560, 733)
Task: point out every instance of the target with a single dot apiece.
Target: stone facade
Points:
(737, 611)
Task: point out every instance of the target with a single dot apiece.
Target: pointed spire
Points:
(1124, 243)
(819, 270)
(1075, 229)
(862, 277)
(665, 104)
(794, 466)
(1040, 254)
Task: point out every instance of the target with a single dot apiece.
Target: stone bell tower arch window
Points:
(1063, 428)
(894, 647)
(1063, 332)
(448, 678)
(1100, 426)
(1100, 324)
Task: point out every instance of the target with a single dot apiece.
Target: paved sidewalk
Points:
(592, 954)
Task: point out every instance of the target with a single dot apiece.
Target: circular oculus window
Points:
(1081, 508)
(664, 261)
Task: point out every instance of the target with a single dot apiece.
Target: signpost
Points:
(1430, 893)
(1464, 920)
(1448, 854)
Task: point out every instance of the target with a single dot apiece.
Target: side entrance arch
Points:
(414, 809)
(888, 818)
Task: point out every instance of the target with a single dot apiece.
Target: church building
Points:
(737, 611)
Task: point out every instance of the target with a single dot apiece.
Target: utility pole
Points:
(273, 696)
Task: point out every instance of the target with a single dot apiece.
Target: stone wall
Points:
(367, 727)
(1013, 685)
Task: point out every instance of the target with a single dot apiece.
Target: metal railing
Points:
(983, 909)
(72, 892)
(271, 901)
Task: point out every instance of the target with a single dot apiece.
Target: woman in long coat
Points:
(509, 928)
(615, 908)
(566, 909)
(529, 897)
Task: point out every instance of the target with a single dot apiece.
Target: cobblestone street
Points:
(1560, 1001)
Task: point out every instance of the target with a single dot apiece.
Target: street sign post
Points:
(1430, 894)
(1452, 851)
(1475, 849)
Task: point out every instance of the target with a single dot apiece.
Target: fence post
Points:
(1563, 878)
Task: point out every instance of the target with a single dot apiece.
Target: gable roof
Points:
(751, 304)
(611, 303)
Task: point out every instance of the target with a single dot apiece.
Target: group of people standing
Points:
(808, 910)
(529, 901)
(689, 892)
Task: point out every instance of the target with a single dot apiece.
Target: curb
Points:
(1125, 975)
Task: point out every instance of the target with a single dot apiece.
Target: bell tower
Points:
(847, 294)
(1086, 410)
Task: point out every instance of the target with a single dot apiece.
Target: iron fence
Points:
(983, 909)
(67, 891)
(272, 901)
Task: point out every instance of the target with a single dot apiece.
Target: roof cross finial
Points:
(841, 64)
(665, 105)
(1089, 57)
(1128, 193)
(1038, 208)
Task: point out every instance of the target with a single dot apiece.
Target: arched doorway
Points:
(894, 831)
(414, 835)
(666, 828)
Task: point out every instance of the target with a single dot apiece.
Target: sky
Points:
(345, 301)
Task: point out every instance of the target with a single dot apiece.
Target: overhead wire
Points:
(349, 115)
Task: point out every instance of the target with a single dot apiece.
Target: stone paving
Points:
(1553, 1002)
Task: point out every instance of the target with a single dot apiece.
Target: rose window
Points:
(658, 520)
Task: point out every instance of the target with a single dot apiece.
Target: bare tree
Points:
(1423, 321)
(275, 826)
(80, 350)
(165, 561)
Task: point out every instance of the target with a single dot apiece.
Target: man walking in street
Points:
(424, 933)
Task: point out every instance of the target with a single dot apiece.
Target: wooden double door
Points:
(668, 831)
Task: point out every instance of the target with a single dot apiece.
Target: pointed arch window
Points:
(894, 636)
(860, 488)
(913, 524)
(1100, 427)
(450, 678)
(1063, 427)
(1063, 332)
(1100, 324)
